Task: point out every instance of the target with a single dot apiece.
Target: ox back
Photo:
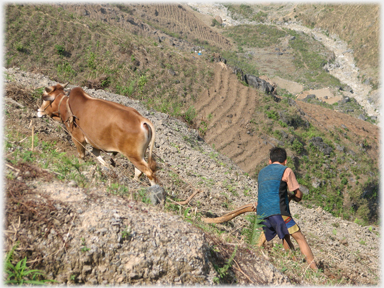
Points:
(105, 125)
(113, 127)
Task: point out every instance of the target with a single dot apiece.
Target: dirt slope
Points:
(154, 20)
(228, 108)
(226, 114)
(346, 251)
(179, 20)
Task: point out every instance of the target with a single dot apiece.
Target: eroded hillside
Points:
(95, 226)
(146, 53)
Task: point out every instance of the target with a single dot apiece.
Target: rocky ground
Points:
(92, 236)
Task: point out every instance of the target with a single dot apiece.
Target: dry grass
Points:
(85, 51)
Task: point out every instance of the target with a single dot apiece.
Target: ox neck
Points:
(63, 95)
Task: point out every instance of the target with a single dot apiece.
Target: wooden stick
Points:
(231, 215)
(9, 166)
(22, 140)
(239, 269)
(185, 202)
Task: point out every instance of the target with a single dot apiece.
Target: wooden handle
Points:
(231, 215)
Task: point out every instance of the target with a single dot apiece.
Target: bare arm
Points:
(297, 195)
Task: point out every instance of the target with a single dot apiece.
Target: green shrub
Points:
(20, 274)
(253, 232)
(215, 23)
(190, 114)
(60, 49)
(272, 115)
(65, 71)
(297, 146)
(92, 61)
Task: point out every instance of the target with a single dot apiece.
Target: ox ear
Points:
(49, 89)
(46, 96)
(49, 97)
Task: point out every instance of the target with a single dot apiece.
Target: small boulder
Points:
(310, 96)
(362, 117)
(156, 194)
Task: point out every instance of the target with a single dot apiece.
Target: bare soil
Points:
(58, 209)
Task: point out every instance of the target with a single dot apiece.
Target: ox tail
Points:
(151, 134)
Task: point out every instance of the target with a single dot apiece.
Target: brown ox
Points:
(105, 125)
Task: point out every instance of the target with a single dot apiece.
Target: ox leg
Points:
(79, 140)
(137, 174)
(143, 167)
(96, 152)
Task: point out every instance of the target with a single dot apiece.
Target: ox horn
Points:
(65, 85)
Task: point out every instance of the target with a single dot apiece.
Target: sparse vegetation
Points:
(311, 163)
(126, 77)
(343, 182)
(20, 274)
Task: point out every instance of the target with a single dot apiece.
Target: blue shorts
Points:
(280, 225)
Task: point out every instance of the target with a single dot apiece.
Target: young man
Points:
(274, 181)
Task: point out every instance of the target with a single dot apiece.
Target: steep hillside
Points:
(243, 123)
(218, 143)
(83, 224)
(361, 34)
(103, 47)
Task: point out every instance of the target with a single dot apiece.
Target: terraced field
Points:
(227, 108)
(184, 24)
(232, 118)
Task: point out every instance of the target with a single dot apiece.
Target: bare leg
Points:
(305, 249)
(287, 244)
(261, 240)
(79, 140)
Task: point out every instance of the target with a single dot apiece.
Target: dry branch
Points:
(231, 215)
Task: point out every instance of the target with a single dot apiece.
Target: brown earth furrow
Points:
(250, 163)
(225, 113)
(239, 115)
(248, 149)
(255, 150)
(182, 21)
(224, 139)
(234, 118)
(220, 86)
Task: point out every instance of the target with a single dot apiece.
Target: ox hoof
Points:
(156, 194)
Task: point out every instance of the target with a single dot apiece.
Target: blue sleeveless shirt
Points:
(273, 196)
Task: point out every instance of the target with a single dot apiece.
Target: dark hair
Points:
(277, 154)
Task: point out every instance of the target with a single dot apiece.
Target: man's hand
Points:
(296, 196)
(254, 206)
